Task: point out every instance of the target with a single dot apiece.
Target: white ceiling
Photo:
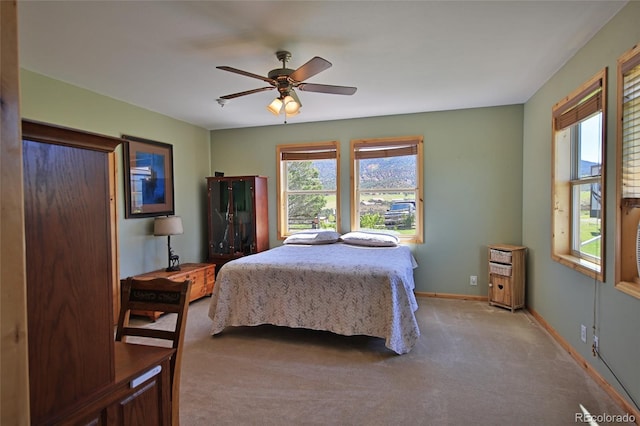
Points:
(403, 56)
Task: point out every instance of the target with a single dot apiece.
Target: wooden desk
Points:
(133, 398)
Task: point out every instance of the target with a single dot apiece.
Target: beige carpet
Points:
(473, 365)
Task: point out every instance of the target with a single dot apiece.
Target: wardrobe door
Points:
(69, 270)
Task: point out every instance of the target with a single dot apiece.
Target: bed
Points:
(345, 288)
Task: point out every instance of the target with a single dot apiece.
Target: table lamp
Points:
(170, 225)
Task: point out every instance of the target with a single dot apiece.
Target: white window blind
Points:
(631, 132)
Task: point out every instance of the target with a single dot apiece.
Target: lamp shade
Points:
(171, 225)
(291, 107)
(275, 106)
(291, 114)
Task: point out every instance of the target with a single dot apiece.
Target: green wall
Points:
(565, 298)
(52, 101)
(472, 181)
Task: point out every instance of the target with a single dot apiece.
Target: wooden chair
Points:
(164, 295)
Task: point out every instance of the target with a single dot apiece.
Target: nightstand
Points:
(507, 276)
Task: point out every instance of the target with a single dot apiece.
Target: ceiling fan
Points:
(285, 80)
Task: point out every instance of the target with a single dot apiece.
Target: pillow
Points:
(370, 239)
(313, 237)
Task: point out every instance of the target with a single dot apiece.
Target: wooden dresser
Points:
(202, 276)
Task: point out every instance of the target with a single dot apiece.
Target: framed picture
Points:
(148, 178)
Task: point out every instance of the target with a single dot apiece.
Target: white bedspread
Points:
(348, 290)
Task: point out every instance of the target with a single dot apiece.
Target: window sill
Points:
(410, 240)
(630, 288)
(585, 267)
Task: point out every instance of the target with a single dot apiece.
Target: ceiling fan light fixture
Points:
(275, 106)
(291, 114)
(291, 107)
(285, 80)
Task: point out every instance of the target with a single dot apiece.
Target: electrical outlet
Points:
(583, 333)
(596, 345)
(473, 280)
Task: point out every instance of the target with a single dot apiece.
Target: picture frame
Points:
(148, 178)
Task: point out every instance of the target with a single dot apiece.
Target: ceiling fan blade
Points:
(247, 74)
(311, 68)
(326, 88)
(248, 92)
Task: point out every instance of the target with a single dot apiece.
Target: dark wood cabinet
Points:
(71, 276)
(237, 216)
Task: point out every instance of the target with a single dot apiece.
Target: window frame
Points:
(316, 150)
(576, 108)
(391, 142)
(628, 209)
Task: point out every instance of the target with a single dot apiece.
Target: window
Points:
(308, 187)
(628, 172)
(578, 178)
(387, 186)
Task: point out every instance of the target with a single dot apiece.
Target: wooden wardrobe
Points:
(77, 373)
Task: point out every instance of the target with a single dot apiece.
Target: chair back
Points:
(164, 295)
